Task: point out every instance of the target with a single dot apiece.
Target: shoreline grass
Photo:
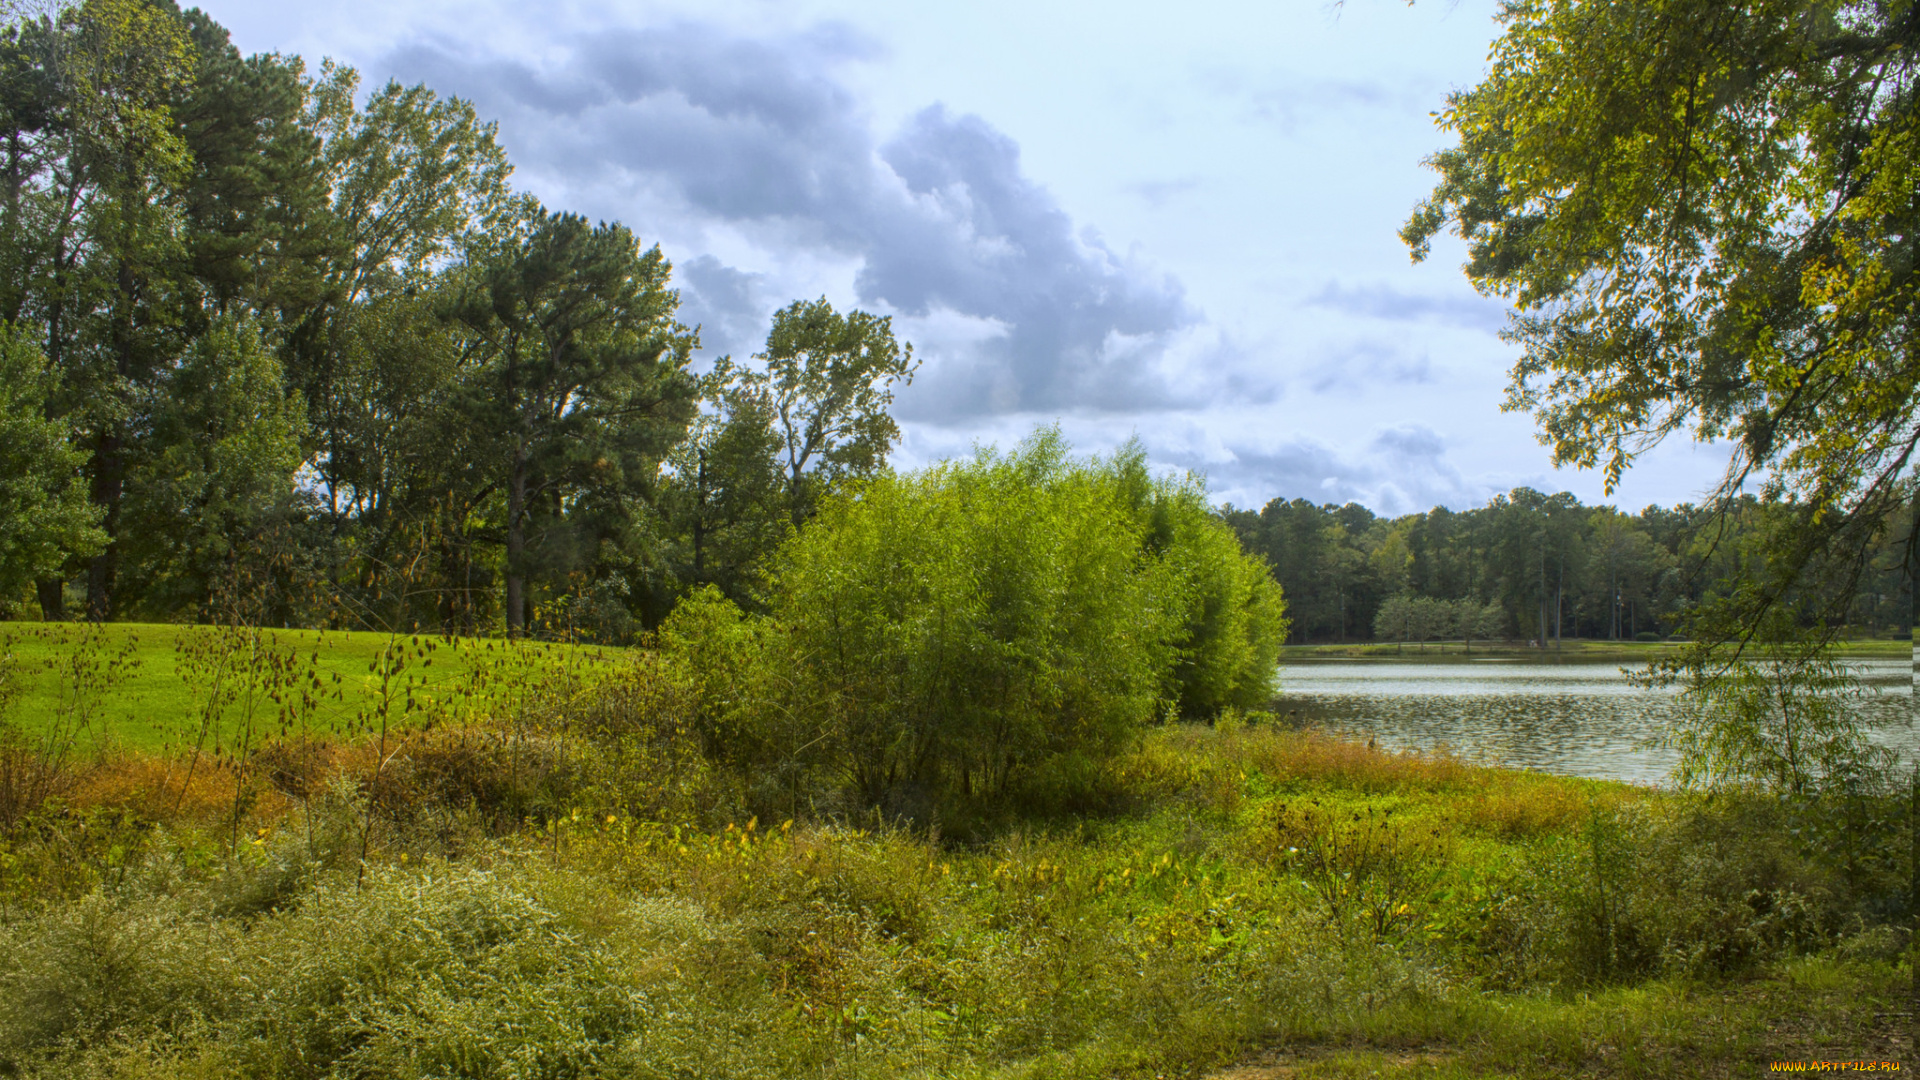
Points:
(1570, 649)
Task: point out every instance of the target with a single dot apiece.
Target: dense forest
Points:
(1535, 567)
(273, 333)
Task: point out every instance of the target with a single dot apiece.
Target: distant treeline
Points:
(1529, 566)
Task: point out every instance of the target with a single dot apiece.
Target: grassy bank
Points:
(587, 896)
(1572, 649)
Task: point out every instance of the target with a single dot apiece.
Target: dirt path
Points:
(1284, 1065)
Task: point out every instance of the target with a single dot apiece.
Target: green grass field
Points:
(145, 691)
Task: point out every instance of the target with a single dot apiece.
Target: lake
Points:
(1575, 717)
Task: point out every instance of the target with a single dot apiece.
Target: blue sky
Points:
(1170, 222)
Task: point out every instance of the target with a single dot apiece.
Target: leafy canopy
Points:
(1705, 215)
(44, 511)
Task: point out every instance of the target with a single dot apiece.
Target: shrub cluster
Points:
(935, 641)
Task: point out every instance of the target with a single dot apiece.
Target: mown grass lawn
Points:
(140, 689)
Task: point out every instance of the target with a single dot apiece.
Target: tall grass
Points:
(550, 876)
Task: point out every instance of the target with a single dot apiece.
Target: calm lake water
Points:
(1580, 718)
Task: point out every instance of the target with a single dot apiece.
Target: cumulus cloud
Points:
(725, 303)
(755, 140)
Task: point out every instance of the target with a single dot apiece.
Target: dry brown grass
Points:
(1211, 768)
(169, 787)
(1515, 805)
(1313, 754)
(476, 767)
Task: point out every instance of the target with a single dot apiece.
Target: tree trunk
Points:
(516, 542)
(1913, 813)
(109, 482)
(1543, 599)
(700, 518)
(1559, 604)
(52, 594)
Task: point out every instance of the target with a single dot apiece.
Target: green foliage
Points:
(215, 473)
(583, 385)
(723, 502)
(809, 418)
(1233, 621)
(1785, 724)
(1705, 217)
(1367, 866)
(1424, 618)
(828, 381)
(1684, 889)
(722, 656)
(978, 620)
(943, 637)
(45, 516)
(1543, 562)
(1696, 208)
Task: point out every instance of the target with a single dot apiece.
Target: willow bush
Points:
(941, 637)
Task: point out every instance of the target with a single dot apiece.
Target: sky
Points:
(1175, 223)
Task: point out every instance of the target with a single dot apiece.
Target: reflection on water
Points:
(1580, 718)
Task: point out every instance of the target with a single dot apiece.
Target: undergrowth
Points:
(538, 866)
(570, 888)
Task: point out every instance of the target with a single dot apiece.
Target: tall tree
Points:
(153, 179)
(1706, 215)
(724, 500)
(416, 182)
(45, 516)
(109, 304)
(829, 379)
(256, 235)
(584, 378)
(212, 473)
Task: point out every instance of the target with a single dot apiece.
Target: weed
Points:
(1366, 864)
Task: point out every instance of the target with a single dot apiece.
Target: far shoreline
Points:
(1568, 649)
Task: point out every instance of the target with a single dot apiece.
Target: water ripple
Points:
(1577, 718)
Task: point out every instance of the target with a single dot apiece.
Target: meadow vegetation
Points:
(590, 894)
(983, 788)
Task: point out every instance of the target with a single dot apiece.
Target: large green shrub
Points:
(957, 631)
(1231, 617)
